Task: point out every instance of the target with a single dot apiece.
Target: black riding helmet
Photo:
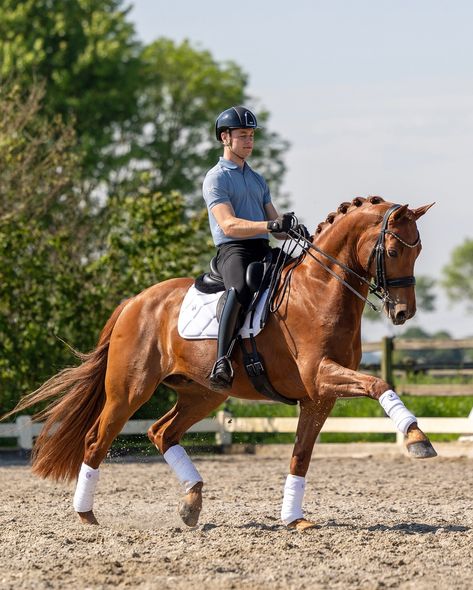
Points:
(235, 118)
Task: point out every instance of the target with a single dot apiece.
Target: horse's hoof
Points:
(191, 505)
(421, 450)
(301, 524)
(88, 517)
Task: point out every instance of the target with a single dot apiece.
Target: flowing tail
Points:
(80, 395)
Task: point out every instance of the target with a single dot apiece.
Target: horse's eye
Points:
(392, 253)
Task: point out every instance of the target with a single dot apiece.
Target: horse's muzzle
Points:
(399, 313)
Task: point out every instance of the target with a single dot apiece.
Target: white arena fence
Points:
(224, 425)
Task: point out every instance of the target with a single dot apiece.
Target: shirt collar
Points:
(229, 164)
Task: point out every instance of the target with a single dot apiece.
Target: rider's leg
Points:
(232, 261)
(222, 372)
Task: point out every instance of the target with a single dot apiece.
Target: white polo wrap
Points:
(179, 461)
(292, 501)
(397, 411)
(85, 489)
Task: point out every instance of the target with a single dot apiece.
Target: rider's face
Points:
(242, 141)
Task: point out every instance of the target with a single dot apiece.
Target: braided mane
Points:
(345, 208)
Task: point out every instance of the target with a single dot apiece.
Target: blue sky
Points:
(375, 97)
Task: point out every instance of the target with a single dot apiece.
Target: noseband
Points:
(382, 283)
(380, 288)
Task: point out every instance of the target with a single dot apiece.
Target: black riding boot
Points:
(222, 372)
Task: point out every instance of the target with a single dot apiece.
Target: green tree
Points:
(150, 238)
(35, 158)
(185, 88)
(86, 54)
(52, 285)
(425, 294)
(457, 275)
(41, 231)
(133, 107)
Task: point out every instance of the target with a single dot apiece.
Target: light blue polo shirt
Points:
(243, 188)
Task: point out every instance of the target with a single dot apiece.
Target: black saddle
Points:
(210, 282)
(258, 275)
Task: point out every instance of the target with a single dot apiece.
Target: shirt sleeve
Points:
(215, 190)
(266, 195)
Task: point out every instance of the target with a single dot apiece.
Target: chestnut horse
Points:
(311, 346)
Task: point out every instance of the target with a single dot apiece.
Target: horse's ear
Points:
(421, 210)
(399, 213)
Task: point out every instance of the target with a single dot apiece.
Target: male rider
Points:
(240, 215)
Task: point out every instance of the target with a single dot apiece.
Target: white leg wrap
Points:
(397, 411)
(179, 461)
(85, 489)
(292, 502)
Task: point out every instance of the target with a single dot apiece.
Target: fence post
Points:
(24, 426)
(222, 436)
(387, 347)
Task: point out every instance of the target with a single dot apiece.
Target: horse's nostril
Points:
(401, 316)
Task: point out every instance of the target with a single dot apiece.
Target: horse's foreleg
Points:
(333, 379)
(166, 433)
(313, 414)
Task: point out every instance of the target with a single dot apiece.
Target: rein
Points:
(276, 303)
(381, 286)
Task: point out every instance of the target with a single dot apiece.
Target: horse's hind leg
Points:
(335, 380)
(124, 395)
(166, 434)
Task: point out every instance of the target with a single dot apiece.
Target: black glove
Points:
(302, 231)
(281, 225)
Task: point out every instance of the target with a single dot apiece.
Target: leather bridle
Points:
(381, 285)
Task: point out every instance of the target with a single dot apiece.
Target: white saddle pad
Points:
(198, 316)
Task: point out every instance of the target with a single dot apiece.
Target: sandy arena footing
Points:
(383, 521)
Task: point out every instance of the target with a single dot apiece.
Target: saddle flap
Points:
(254, 275)
(214, 273)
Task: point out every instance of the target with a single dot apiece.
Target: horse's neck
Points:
(321, 297)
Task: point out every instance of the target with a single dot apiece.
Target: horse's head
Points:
(391, 262)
